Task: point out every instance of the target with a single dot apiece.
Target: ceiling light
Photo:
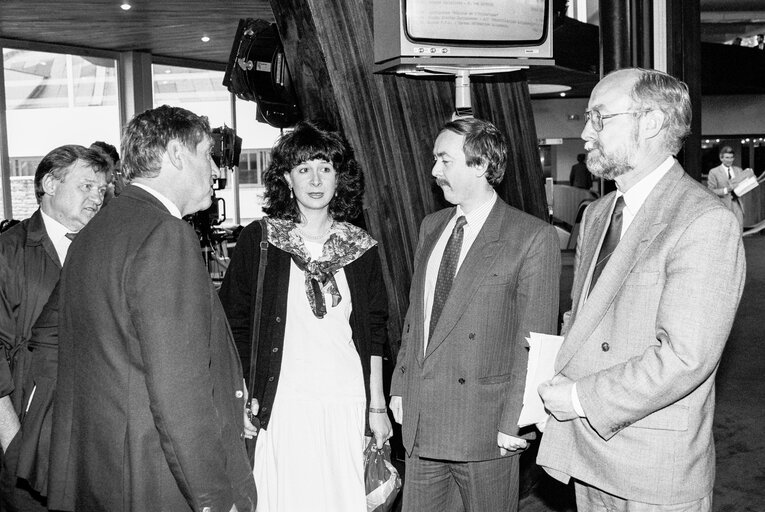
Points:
(125, 6)
(547, 88)
(205, 39)
(563, 95)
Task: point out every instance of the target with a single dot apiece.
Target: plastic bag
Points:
(381, 479)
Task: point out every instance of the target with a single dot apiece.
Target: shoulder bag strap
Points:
(258, 305)
(250, 443)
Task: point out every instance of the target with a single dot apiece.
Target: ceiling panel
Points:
(166, 28)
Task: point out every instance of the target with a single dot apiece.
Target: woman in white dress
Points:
(318, 390)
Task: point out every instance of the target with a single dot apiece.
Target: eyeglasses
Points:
(596, 118)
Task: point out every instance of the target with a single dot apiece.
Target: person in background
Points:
(723, 179)
(150, 399)
(658, 276)
(70, 183)
(580, 177)
(485, 276)
(760, 42)
(117, 183)
(318, 387)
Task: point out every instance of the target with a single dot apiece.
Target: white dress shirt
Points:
(57, 233)
(475, 221)
(162, 199)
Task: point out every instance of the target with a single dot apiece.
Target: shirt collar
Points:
(174, 211)
(637, 194)
(477, 217)
(56, 231)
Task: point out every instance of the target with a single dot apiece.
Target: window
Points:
(54, 99)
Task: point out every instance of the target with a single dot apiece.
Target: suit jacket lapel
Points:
(478, 259)
(590, 248)
(418, 284)
(37, 234)
(648, 223)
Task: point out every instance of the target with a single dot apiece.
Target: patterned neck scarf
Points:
(346, 243)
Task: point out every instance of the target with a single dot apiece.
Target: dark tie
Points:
(446, 272)
(71, 236)
(609, 242)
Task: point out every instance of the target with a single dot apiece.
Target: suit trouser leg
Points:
(592, 499)
(486, 486)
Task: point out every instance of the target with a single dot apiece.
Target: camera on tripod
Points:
(225, 153)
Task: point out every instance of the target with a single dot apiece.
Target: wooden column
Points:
(390, 121)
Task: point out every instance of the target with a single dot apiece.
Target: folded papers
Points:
(543, 349)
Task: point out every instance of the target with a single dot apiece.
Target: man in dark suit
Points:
(485, 276)
(580, 176)
(70, 182)
(150, 400)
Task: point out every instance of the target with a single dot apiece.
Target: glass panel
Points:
(54, 99)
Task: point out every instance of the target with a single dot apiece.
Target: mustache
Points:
(442, 182)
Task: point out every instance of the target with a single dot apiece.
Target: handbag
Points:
(250, 443)
(381, 479)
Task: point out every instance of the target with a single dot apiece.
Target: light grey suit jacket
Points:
(645, 346)
(717, 180)
(470, 383)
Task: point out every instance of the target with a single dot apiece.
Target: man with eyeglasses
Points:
(658, 276)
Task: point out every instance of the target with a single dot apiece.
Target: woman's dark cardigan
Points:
(368, 318)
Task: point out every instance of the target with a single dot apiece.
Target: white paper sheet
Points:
(543, 349)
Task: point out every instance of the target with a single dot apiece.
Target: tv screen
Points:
(487, 21)
(412, 34)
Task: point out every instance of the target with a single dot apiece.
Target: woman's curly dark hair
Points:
(309, 142)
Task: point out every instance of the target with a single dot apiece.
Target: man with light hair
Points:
(658, 276)
(70, 182)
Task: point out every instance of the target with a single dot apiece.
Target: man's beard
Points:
(611, 166)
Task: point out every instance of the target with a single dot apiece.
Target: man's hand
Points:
(9, 422)
(556, 395)
(250, 429)
(397, 409)
(508, 443)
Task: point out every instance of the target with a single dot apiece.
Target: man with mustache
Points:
(658, 276)
(485, 276)
(70, 182)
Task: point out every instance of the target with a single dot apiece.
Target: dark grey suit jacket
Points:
(470, 383)
(149, 406)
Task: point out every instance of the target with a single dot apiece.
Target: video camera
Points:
(225, 153)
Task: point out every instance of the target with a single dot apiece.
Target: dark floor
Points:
(740, 415)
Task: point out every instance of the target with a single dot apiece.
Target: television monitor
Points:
(412, 33)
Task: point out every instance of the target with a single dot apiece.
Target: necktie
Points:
(730, 173)
(71, 236)
(609, 242)
(446, 272)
